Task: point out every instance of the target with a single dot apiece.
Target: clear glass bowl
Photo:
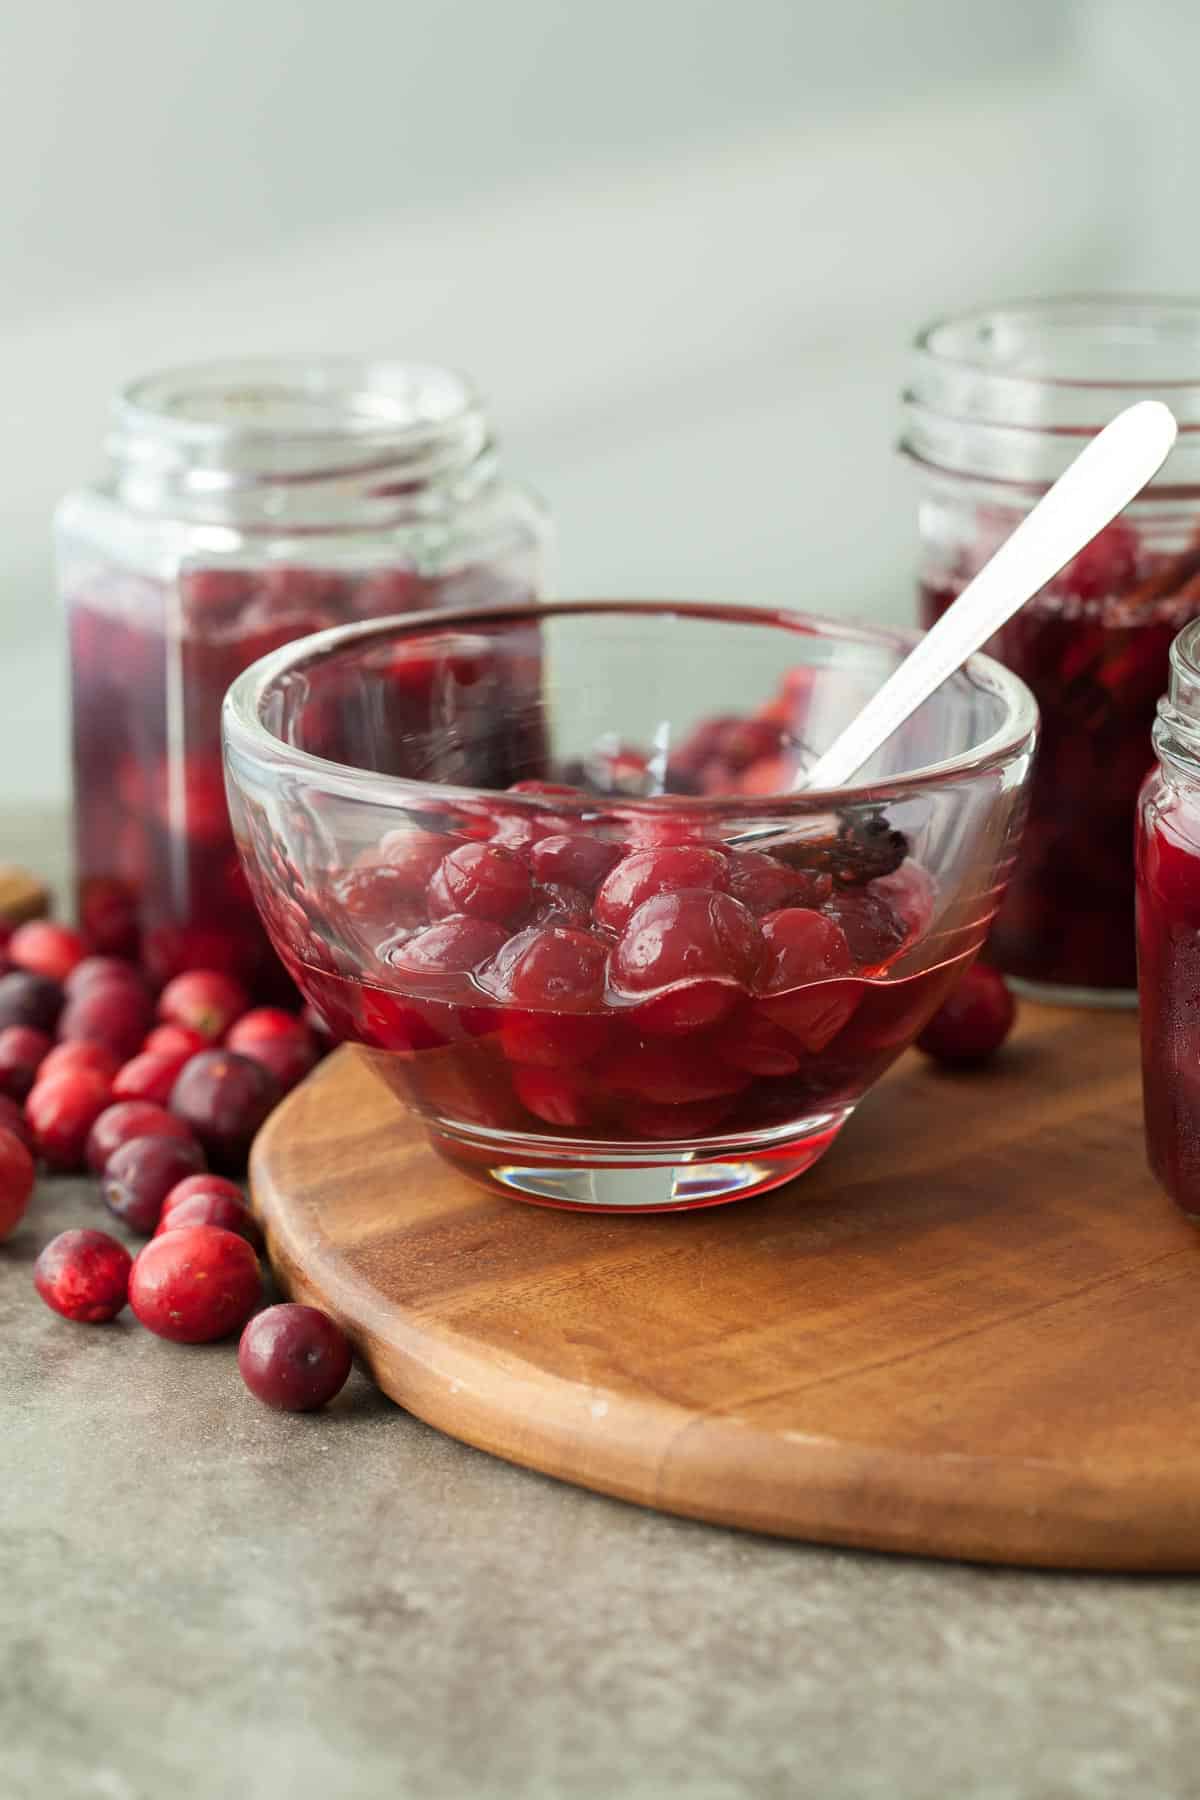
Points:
(543, 865)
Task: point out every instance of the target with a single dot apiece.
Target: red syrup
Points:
(1168, 921)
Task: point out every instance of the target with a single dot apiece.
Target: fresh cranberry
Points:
(224, 1098)
(974, 1021)
(289, 1060)
(482, 881)
(14, 1120)
(211, 1208)
(451, 947)
(79, 1055)
(113, 1014)
(141, 1173)
(16, 1180)
(46, 949)
(22, 1052)
(101, 971)
(294, 1357)
(269, 1032)
(148, 1077)
(62, 1110)
(27, 999)
(553, 1040)
(552, 967)
(555, 904)
(84, 1275)
(174, 1040)
(574, 860)
(551, 1097)
(129, 1119)
(765, 885)
(704, 945)
(204, 1000)
(871, 926)
(206, 1183)
(643, 874)
(802, 947)
(195, 1285)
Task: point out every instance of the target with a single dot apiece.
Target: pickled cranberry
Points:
(553, 967)
(451, 947)
(380, 896)
(973, 1022)
(46, 949)
(174, 1040)
(129, 1119)
(550, 1096)
(22, 1052)
(687, 1121)
(392, 1023)
(101, 971)
(872, 928)
(195, 1285)
(27, 999)
(204, 1000)
(412, 857)
(552, 1040)
(668, 1074)
(84, 1275)
(141, 1173)
(759, 1047)
(642, 874)
(148, 1077)
(574, 860)
(115, 1015)
(61, 1111)
(802, 947)
(765, 885)
(211, 1208)
(707, 941)
(482, 881)
(294, 1357)
(79, 1055)
(224, 1098)
(555, 904)
(16, 1181)
(14, 1120)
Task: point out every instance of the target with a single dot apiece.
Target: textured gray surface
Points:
(203, 1599)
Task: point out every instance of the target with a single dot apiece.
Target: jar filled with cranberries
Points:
(246, 504)
(999, 402)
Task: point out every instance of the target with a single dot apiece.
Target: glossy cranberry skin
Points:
(44, 948)
(705, 946)
(572, 859)
(148, 1077)
(102, 971)
(129, 1119)
(556, 904)
(17, 1174)
(62, 1111)
(27, 999)
(224, 1098)
(13, 1119)
(551, 967)
(174, 1040)
(84, 1275)
(973, 1022)
(195, 1285)
(207, 1183)
(873, 928)
(643, 874)
(278, 1040)
(482, 881)
(211, 1208)
(765, 885)
(204, 1000)
(22, 1052)
(802, 947)
(452, 946)
(141, 1173)
(79, 1055)
(115, 1014)
(294, 1357)
(551, 1096)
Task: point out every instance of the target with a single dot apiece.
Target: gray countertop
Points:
(204, 1599)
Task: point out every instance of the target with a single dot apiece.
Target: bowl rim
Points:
(244, 734)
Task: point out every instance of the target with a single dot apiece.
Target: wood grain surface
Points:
(973, 1331)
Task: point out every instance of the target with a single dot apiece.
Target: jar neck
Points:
(1008, 396)
(1177, 728)
(300, 443)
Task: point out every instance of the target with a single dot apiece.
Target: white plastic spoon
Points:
(1087, 496)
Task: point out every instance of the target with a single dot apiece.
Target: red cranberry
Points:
(574, 860)
(642, 874)
(204, 1000)
(452, 946)
(411, 857)
(108, 914)
(141, 1173)
(294, 1357)
(559, 905)
(668, 1074)
(206, 1183)
(27, 999)
(684, 1123)
(79, 1055)
(22, 1052)
(973, 1023)
(195, 1285)
(551, 1097)
(46, 949)
(211, 1208)
(174, 1040)
(553, 1040)
(278, 1040)
(552, 967)
(872, 928)
(380, 897)
(112, 1014)
(148, 1077)
(129, 1119)
(16, 1181)
(84, 1275)
(802, 947)
(482, 881)
(224, 1098)
(765, 885)
(101, 971)
(707, 941)
(754, 1044)
(14, 1120)
(62, 1110)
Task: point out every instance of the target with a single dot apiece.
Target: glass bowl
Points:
(543, 865)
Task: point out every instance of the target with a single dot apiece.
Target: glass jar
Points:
(247, 504)
(1168, 931)
(999, 403)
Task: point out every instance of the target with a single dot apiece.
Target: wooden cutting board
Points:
(972, 1331)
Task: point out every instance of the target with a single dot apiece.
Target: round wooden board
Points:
(973, 1331)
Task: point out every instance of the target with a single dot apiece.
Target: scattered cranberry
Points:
(22, 1052)
(84, 1275)
(79, 1055)
(973, 1023)
(278, 1040)
(294, 1357)
(46, 949)
(211, 1208)
(14, 1120)
(705, 945)
(61, 1111)
(195, 1285)
(645, 873)
(148, 1077)
(205, 1183)
(115, 1014)
(27, 999)
(204, 1000)
(129, 1119)
(482, 881)
(224, 1098)
(140, 1174)
(101, 971)
(16, 1181)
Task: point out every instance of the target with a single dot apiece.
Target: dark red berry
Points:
(195, 1285)
(174, 1040)
(79, 1055)
(278, 1040)
(204, 1000)
(46, 949)
(551, 967)
(973, 1023)
(16, 1180)
(294, 1357)
(14, 1120)
(84, 1275)
(211, 1208)
(641, 875)
(553, 1040)
(802, 947)
(765, 885)
(480, 881)
(872, 927)
(148, 1077)
(705, 946)
(141, 1173)
(101, 971)
(129, 1119)
(22, 1052)
(574, 860)
(224, 1098)
(27, 999)
(207, 1183)
(551, 1096)
(115, 1014)
(62, 1111)
(452, 946)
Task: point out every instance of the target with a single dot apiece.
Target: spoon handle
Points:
(1088, 495)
